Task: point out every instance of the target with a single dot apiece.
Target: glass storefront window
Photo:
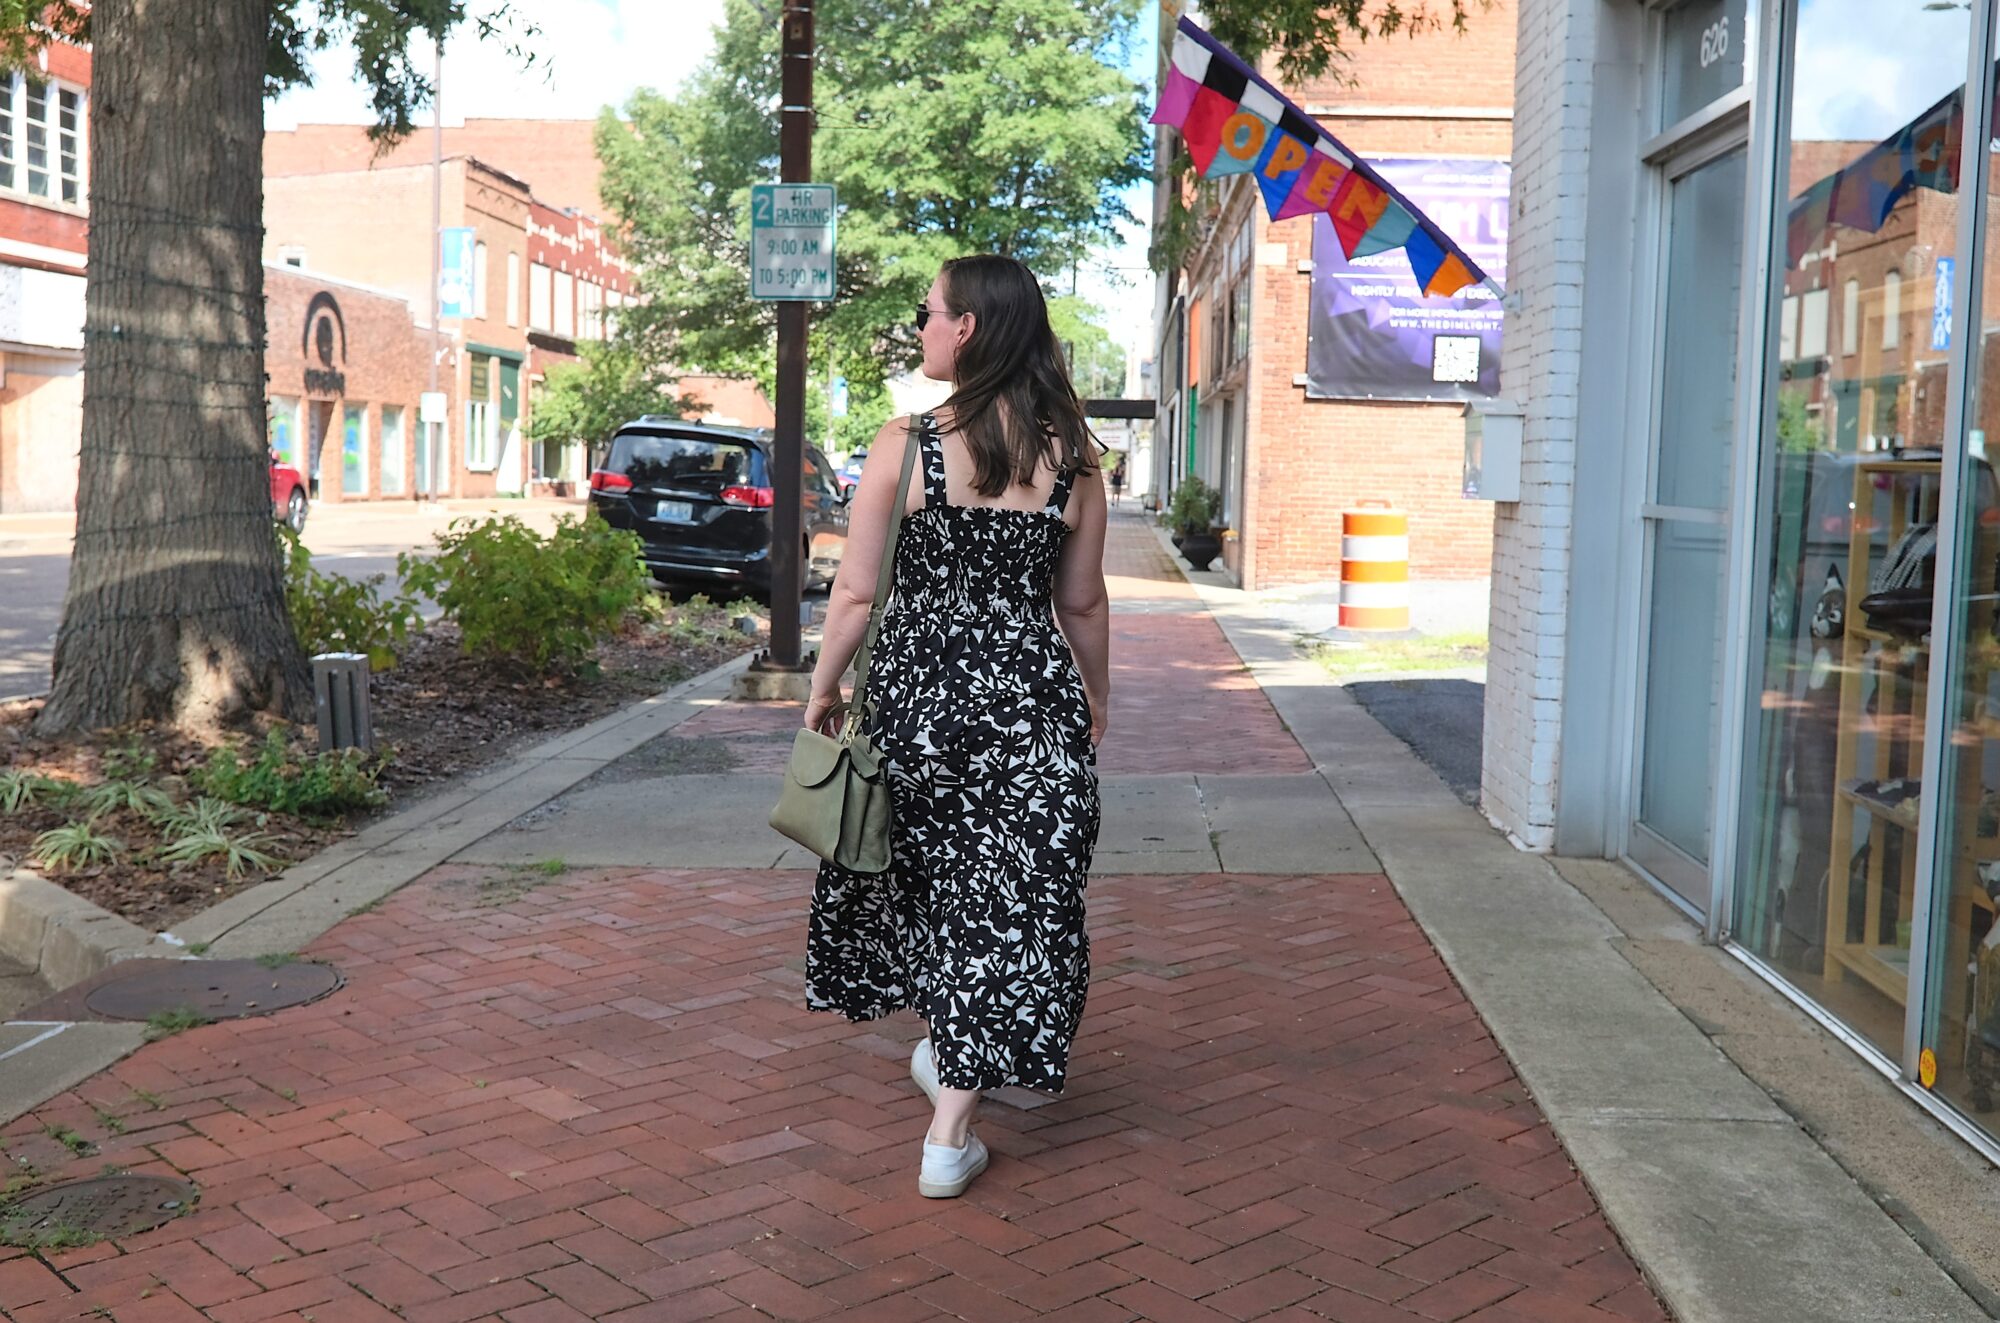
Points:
(1960, 1057)
(1849, 505)
(392, 462)
(1706, 48)
(353, 450)
(1701, 291)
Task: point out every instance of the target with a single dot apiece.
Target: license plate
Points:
(674, 512)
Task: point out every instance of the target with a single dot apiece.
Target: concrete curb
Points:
(62, 938)
(1734, 1212)
(69, 939)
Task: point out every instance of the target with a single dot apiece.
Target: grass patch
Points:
(1442, 652)
(165, 1024)
(69, 1139)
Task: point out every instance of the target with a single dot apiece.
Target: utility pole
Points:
(795, 128)
(433, 431)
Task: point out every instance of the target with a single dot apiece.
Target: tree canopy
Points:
(982, 126)
(383, 33)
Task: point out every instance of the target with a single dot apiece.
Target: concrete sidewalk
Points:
(586, 1090)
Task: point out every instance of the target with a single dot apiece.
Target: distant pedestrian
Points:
(1118, 480)
(987, 696)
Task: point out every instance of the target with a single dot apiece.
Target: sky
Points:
(595, 52)
(1867, 67)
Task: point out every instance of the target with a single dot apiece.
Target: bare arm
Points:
(1083, 607)
(853, 591)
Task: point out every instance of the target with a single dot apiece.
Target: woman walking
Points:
(989, 690)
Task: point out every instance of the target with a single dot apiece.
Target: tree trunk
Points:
(175, 610)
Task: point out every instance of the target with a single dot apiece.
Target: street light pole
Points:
(433, 430)
(787, 517)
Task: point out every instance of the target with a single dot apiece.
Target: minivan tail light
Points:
(603, 480)
(753, 498)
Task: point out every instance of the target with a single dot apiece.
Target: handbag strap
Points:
(884, 579)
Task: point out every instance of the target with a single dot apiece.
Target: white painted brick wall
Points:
(1541, 369)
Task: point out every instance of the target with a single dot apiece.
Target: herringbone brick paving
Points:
(1181, 699)
(599, 1098)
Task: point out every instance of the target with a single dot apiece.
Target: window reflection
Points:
(1851, 503)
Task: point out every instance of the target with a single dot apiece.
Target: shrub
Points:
(541, 603)
(1194, 507)
(75, 845)
(238, 853)
(313, 785)
(25, 790)
(333, 613)
(120, 796)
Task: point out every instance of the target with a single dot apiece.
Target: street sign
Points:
(430, 407)
(836, 398)
(455, 272)
(791, 242)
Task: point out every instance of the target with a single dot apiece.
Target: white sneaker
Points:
(923, 1069)
(947, 1171)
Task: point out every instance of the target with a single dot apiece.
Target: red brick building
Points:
(372, 227)
(582, 280)
(558, 156)
(576, 283)
(44, 221)
(1234, 333)
(346, 372)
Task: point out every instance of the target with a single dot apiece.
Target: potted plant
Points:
(1193, 514)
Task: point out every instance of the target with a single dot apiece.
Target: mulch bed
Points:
(440, 713)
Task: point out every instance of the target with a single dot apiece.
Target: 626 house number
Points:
(1714, 42)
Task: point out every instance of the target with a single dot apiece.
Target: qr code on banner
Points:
(1455, 358)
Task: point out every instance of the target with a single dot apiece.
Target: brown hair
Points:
(1011, 370)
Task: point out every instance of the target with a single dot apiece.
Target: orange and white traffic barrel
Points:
(1375, 568)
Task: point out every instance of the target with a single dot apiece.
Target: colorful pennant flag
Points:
(1236, 123)
(1922, 154)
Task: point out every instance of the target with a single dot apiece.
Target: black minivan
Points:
(700, 496)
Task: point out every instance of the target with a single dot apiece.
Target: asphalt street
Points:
(355, 540)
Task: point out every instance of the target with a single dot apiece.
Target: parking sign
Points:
(791, 241)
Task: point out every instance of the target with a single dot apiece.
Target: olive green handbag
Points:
(835, 800)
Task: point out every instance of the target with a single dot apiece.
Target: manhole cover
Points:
(108, 1207)
(214, 989)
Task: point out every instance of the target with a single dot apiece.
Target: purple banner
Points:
(1372, 336)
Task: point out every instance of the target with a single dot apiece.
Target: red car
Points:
(288, 493)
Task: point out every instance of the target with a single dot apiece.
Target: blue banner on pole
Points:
(1941, 304)
(455, 272)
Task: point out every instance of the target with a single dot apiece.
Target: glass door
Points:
(1685, 515)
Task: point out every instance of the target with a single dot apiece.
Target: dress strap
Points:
(1059, 494)
(933, 453)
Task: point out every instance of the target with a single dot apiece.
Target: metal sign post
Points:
(791, 261)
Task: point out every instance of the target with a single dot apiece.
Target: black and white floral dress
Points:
(981, 717)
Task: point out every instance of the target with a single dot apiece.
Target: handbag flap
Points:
(816, 758)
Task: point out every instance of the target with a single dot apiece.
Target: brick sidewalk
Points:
(596, 1096)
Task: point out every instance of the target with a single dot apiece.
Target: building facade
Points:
(373, 228)
(575, 284)
(44, 221)
(345, 373)
(1743, 615)
(1294, 433)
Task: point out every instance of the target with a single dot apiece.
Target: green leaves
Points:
(333, 613)
(314, 785)
(73, 846)
(981, 126)
(541, 603)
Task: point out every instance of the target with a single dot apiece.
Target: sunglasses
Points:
(925, 312)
